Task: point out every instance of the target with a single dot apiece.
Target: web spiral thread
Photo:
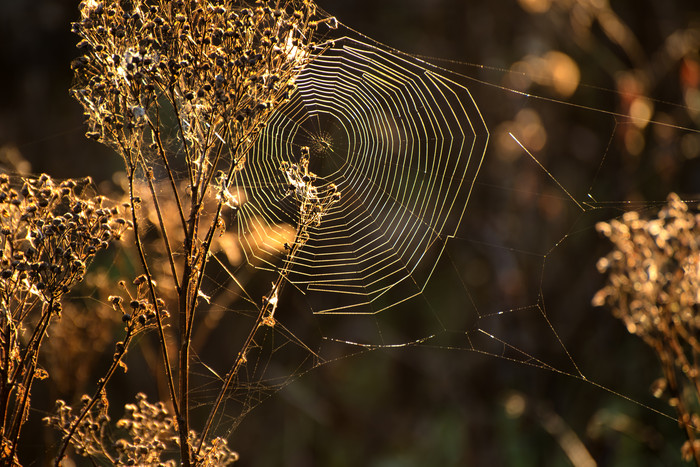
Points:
(402, 144)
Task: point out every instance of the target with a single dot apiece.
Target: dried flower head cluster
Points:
(313, 201)
(49, 235)
(88, 440)
(148, 435)
(222, 65)
(150, 427)
(138, 312)
(152, 430)
(653, 271)
(654, 288)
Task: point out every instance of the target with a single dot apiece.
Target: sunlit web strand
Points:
(402, 143)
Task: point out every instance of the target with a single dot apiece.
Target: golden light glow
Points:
(535, 6)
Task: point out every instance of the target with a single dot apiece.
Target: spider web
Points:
(421, 212)
(401, 143)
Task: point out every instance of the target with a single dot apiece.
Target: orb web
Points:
(403, 146)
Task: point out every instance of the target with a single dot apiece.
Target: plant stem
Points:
(267, 309)
(101, 384)
(30, 371)
(144, 265)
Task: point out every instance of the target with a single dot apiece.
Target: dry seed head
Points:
(51, 232)
(653, 266)
(135, 51)
(654, 288)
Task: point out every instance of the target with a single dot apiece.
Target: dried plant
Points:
(50, 233)
(654, 288)
(150, 434)
(181, 90)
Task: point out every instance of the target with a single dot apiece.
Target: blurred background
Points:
(617, 128)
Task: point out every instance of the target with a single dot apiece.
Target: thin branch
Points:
(101, 384)
(161, 224)
(188, 156)
(259, 322)
(144, 264)
(166, 163)
(30, 370)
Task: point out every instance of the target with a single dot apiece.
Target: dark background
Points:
(425, 405)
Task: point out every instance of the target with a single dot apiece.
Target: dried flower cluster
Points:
(149, 434)
(138, 313)
(654, 288)
(49, 232)
(153, 430)
(150, 427)
(222, 67)
(313, 202)
(88, 439)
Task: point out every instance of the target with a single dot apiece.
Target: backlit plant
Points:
(180, 89)
(654, 288)
(50, 232)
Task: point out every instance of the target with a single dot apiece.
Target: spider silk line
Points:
(425, 60)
